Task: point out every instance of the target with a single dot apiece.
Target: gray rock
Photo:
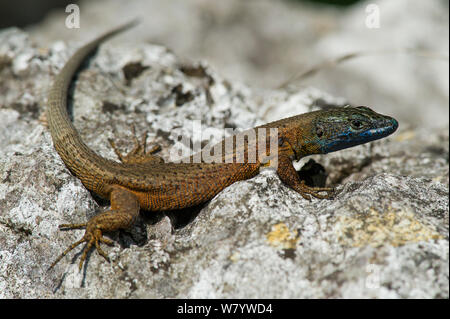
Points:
(385, 235)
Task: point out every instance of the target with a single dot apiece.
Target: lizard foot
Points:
(92, 236)
(138, 154)
(123, 213)
(306, 191)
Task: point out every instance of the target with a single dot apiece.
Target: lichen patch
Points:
(376, 229)
(281, 237)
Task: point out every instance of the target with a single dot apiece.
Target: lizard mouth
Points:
(389, 127)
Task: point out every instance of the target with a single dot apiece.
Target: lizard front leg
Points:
(289, 176)
(123, 213)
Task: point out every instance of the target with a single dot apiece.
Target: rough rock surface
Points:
(385, 235)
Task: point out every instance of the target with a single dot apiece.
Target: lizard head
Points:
(339, 128)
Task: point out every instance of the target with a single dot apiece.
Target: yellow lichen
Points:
(282, 237)
(234, 257)
(394, 228)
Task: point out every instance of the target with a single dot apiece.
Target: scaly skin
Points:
(144, 181)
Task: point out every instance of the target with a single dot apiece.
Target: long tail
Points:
(78, 157)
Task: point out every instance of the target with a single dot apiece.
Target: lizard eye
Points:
(356, 124)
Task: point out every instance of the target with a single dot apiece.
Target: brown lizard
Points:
(143, 181)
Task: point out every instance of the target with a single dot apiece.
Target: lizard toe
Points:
(92, 236)
(316, 191)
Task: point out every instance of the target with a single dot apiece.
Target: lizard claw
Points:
(92, 236)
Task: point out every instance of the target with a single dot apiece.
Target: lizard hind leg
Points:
(139, 153)
(124, 210)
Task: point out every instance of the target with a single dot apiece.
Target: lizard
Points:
(142, 180)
